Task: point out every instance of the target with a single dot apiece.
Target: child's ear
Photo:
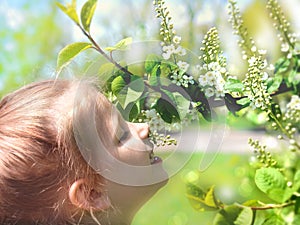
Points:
(86, 198)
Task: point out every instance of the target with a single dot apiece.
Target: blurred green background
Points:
(33, 32)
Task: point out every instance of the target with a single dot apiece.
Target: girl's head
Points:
(66, 155)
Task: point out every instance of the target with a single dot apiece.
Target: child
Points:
(68, 157)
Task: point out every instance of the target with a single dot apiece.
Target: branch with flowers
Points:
(169, 91)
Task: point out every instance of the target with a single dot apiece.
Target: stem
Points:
(254, 217)
(268, 206)
(99, 49)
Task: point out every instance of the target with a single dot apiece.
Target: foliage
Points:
(168, 92)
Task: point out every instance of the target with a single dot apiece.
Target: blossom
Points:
(252, 60)
(183, 65)
(182, 79)
(211, 77)
(262, 52)
(209, 92)
(285, 47)
(150, 114)
(176, 39)
(180, 51)
(271, 67)
(203, 80)
(166, 55)
(294, 103)
(155, 122)
(215, 66)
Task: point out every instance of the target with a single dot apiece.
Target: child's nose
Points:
(142, 130)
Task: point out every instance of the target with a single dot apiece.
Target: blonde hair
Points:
(39, 158)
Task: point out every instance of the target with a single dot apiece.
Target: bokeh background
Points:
(33, 32)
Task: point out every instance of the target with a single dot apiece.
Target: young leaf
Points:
(130, 112)
(271, 182)
(151, 61)
(227, 216)
(118, 84)
(274, 220)
(282, 65)
(197, 197)
(154, 79)
(274, 83)
(233, 85)
(210, 198)
(244, 217)
(243, 101)
(87, 13)
(127, 91)
(70, 10)
(135, 90)
(69, 52)
(121, 45)
(296, 184)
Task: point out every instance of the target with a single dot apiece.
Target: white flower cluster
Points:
(287, 38)
(173, 48)
(255, 83)
(155, 122)
(246, 43)
(156, 125)
(212, 80)
(293, 109)
(181, 79)
(213, 70)
(190, 117)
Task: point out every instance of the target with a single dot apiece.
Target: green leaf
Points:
(135, 90)
(127, 91)
(227, 216)
(167, 68)
(69, 52)
(167, 110)
(152, 60)
(118, 88)
(282, 65)
(243, 101)
(244, 217)
(233, 85)
(154, 79)
(297, 206)
(70, 10)
(118, 84)
(121, 45)
(296, 184)
(210, 198)
(271, 182)
(296, 220)
(274, 220)
(87, 13)
(199, 199)
(274, 83)
(196, 95)
(130, 113)
(183, 105)
(232, 103)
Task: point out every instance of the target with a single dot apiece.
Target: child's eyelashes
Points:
(123, 137)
